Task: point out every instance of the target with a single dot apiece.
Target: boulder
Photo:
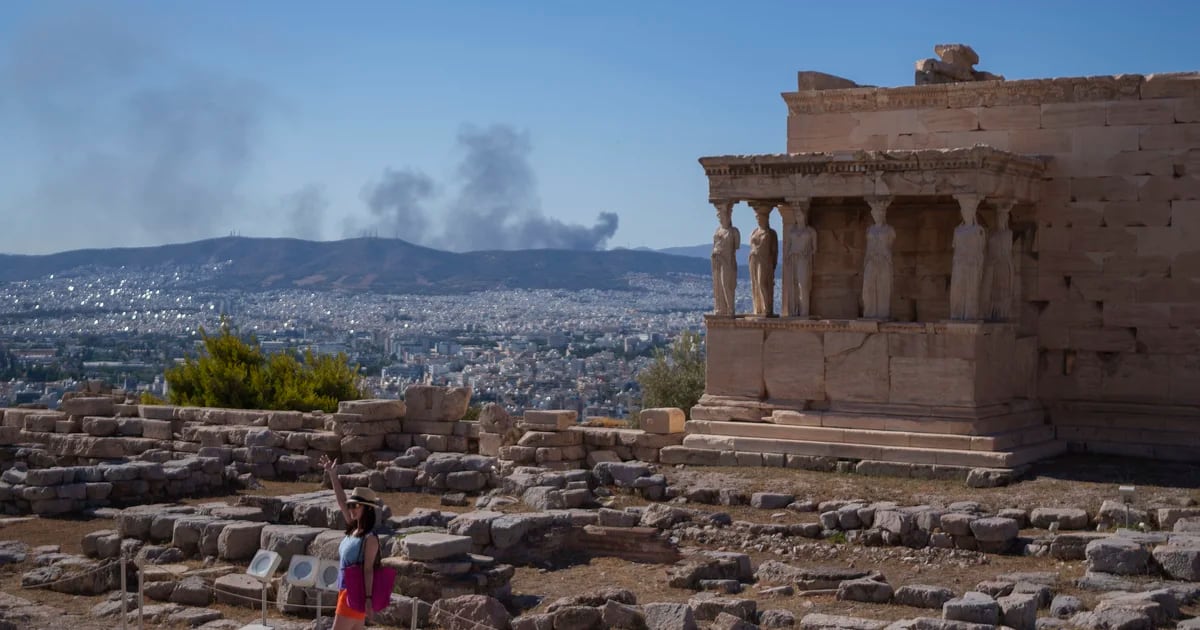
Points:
(818, 621)
(469, 612)
(618, 615)
(1067, 518)
(770, 500)
(669, 616)
(865, 590)
(1019, 611)
(707, 607)
(972, 607)
(287, 540)
(1117, 555)
(432, 547)
(923, 596)
(1065, 606)
(239, 589)
(239, 540)
(1179, 561)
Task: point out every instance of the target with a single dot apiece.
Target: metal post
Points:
(264, 602)
(320, 592)
(413, 601)
(141, 596)
(124, 594)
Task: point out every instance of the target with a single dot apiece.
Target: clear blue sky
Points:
(134, 123)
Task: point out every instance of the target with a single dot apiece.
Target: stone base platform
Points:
(1161, 432)
(997, 436)
(1010, 458)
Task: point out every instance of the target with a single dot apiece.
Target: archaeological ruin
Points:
(976, 272)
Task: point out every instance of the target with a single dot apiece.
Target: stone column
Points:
(799, 247)
(998, 270)
(877, 264)
(966, 275)
(726, 241)
(764, 254)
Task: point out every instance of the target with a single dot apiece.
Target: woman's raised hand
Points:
(328, 465)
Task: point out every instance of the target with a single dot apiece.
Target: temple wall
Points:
(1111, 271)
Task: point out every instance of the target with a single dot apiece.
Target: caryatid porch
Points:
(898, 336)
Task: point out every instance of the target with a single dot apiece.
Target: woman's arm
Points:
(370, 554)
(330, 468)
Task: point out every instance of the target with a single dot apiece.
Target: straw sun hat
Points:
(363, 496)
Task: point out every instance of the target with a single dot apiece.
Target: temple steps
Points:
(910, 439)
(1018, 420)
(1012, 458)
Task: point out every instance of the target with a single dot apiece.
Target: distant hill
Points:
(705, 251)
(366, 264)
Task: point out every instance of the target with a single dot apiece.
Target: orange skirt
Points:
(344, 609)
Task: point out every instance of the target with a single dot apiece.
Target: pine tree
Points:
(233, 373)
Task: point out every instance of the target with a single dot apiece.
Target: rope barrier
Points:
(72, 577)
(212, 587)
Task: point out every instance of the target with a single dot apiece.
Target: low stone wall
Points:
(554, 439)
(61, 490)
(372, 435)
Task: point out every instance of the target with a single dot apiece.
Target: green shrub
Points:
(234, 373)
(675, 379)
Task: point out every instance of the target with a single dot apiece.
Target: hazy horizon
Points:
(463, 126)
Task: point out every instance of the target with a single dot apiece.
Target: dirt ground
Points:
(1073, 481)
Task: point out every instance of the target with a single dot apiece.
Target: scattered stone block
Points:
(1067, 518)
(923, 596)
(430, 546)
(1065, 606)
(1019, 611)
(663, 420)
(559, 420)
(669, 616)
(1116, 555)
(239, 589)
(770, 500)
(972, 607)
(1179, 561)
(865, 590)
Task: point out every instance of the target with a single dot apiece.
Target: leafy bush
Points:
(233, 373)
(675, 379)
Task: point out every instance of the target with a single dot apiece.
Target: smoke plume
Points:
(397, 203)
(304, 212)
(497, 205)
(130, 138)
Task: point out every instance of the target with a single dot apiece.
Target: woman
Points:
(360, 546)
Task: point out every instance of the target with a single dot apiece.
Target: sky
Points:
(463, 125)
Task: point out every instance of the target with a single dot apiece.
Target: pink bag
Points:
(383, 580)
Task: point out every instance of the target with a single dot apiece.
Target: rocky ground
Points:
(538, 588)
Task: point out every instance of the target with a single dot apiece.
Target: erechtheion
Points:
(976, 272)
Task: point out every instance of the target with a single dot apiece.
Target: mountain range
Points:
(367, 264)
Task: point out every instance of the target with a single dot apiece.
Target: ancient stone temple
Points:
(975, 272)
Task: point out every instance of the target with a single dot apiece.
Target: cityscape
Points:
(527, 349)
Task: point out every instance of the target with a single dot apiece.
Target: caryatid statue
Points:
(726, 241)
(799, 247)
(998, 271)
(966, 274)
(764, 255)
(877, 267)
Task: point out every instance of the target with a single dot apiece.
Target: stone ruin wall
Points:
(96, 450)
(1108, 257)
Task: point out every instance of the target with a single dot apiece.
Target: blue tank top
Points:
(350, 553)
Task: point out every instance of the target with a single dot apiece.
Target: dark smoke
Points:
(305, 212)
(497, 205)
(131, 140)
(397, 204)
